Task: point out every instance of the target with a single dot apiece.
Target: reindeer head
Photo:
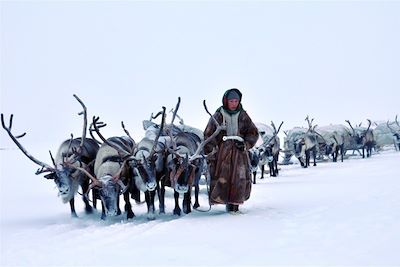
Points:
(63, 179)
(70, 152)
(265, 153)
(144, 171)
(181, 171)
(109, 189)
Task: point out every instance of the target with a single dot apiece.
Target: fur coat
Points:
(229, 168)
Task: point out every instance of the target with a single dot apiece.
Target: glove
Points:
(239, 145)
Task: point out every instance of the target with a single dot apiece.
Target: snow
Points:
(344, 213)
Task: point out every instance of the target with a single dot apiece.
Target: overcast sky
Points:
(333, 61)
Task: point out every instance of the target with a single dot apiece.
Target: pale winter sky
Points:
(332, 60)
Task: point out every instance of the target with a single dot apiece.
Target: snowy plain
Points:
(333, 214)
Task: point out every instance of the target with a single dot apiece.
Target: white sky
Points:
(334, 61)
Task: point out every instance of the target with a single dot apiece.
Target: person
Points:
(229, 169)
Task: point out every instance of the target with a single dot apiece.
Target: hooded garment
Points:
(229, 167)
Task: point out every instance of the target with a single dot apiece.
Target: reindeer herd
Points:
(319, 143)
(108, 167)
(172, 156)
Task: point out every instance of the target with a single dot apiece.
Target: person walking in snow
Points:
(229, 167)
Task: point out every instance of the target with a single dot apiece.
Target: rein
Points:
(208, 194)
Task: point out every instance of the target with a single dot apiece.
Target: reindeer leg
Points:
(271, 169)
(119, 210)
(196, 196)
(177, 209)
(301, 162)
(149, 196)
(254, 177)
(196, 189)
(103, 211)
(315, 157)
(341, 152)
(186, 201)
(128, 206)
(307, 159)
(161, 196)
(94, 197)
(136, 194)
(72, 205)
(88, 208)
(262, 172)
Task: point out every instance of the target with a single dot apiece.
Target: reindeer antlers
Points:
(159, 133)
(275, 132)
(45, 167)
(122, 153)
(125, 130)
(176, 110)
(180, 119)
(196, 155)
(350, 125)
(84, 113)
(309, 122)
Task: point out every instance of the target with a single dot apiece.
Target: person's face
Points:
(233, 104)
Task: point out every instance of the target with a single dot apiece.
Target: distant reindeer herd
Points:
(172, 156)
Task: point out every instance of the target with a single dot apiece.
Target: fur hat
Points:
(232, 94)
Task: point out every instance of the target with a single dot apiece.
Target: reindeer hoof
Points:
(130, 215)
(196, 205)
(177, 212)
(89, 210)
(151, 216)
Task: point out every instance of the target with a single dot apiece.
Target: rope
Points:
(208, 194)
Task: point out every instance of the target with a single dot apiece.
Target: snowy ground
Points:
(333, 214)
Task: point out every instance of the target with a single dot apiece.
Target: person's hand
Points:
(239, 145)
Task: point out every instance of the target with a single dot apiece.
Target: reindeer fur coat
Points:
(229, 167)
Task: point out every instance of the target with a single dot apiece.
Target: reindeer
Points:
(363, 138)
(396, 133)
(113, 174)
(333, 140)
(72, 152)
(186, 164)
(196, 136)
(119, 171)
(306, 145)
(182, 174)
(291, 138)
(269, 152)
(152, 149)
(254, 158)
